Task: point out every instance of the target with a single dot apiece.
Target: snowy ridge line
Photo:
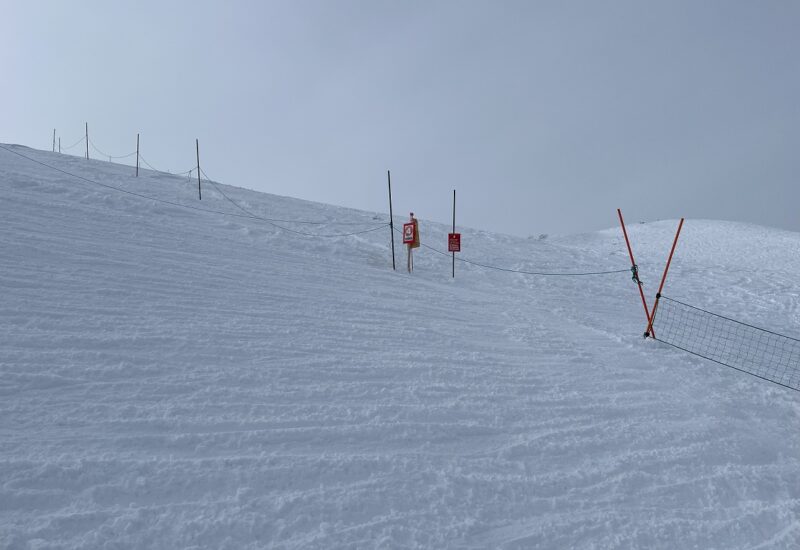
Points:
(172, 203)
(272, 222)
(756, 351)
(508, 270)
(237, 205)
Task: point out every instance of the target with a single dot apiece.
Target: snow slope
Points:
(171, 378)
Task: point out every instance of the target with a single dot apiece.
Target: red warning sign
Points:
(454, 242)
(408, 233)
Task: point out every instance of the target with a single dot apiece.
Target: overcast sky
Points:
(544, 115)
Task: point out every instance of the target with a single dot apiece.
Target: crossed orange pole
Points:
(634, 269)
(652, 318)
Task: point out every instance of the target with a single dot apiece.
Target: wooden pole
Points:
(137, 155)
(59, 144)
(87, 140)
(391, 217)
(454, 230)
(663, 280)
(199, 192)
(54, 140)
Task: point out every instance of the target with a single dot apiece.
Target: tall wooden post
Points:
(454, 230)
(54, 140)
(137, 155)
(199, 192)
(87, 140)
(391, 216)
(59, 144)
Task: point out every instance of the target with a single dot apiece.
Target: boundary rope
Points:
(107, 155)
(74, 144)
(153, 168)
(507, 270)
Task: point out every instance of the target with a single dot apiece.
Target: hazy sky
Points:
(544, 115)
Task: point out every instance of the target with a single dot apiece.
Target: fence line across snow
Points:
(762, 353)
(187, 206)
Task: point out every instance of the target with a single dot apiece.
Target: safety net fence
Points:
(762, 353)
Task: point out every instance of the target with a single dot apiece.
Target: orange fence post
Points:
(634, 270)
(661, 286)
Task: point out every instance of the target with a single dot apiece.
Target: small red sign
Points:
(454, 242)
(408, 233)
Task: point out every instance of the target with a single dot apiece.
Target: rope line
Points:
(507, 270)
(107, 155)
(166, 171)
(74, 144)
(753, 350)
(172, 203)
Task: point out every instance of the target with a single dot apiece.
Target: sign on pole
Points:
(454, 242)
(408, 233)
(411, 239)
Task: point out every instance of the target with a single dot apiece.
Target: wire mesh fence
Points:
(762, 353)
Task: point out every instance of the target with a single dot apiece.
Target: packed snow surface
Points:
(174, 378)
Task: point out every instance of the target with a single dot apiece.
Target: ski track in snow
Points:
(178, 379)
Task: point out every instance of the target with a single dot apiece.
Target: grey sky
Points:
(545, 116)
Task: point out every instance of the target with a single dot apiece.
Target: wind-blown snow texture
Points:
(177, 379)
